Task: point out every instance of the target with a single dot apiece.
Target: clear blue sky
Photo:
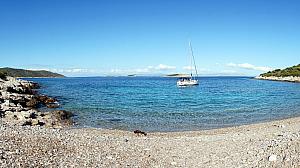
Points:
(83, 38)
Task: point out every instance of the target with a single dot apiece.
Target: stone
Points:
(50, 100)
(62, 114)
(139, 132)
(12, 105)
(58, 118)
(272, 158)
(32, 103)
(34, 122)
(6, 103)
(2, 114)
(173, 163)
(42, 98)
(27, 123)
(25, 114)
(282, 126)
(52, 105)
(18, 102)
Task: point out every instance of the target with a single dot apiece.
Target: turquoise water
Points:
(157, 104)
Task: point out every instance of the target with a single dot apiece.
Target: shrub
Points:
(3, 75)
(290, 71)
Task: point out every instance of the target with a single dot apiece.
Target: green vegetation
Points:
(27, 73)
(291, 71)
(3, 75)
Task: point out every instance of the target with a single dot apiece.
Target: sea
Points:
(156, 104)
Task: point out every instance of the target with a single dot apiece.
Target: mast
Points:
(193, 60)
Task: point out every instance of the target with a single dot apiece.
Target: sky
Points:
(121, 37)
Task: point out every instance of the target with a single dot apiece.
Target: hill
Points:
(28, 73)
(290, 71)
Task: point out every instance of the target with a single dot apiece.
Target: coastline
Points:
(269, 144)
(282, 79)
(20, 103)
(38, 77)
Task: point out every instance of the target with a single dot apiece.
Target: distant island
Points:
(131, 75)
(28, 73)
(290, 74)
(177, 75)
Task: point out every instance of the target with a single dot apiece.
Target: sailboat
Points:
(191, 80)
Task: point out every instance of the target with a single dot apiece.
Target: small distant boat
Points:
(189, 80)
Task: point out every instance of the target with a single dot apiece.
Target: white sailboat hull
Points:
(190, 82)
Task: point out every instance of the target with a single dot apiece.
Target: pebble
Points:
(173, 163)
(282, 126)
(272, 158)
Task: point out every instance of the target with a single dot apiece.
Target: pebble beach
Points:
(271, 144)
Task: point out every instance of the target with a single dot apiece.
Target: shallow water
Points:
(157, 104)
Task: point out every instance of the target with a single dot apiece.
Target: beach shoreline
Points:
(293, 79)
(268, 144)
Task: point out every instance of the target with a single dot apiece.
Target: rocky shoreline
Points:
(284, 79)
(19, 103)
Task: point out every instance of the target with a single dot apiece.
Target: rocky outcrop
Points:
(19, 102)
(285, 79)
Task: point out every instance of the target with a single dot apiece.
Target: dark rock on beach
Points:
(60, 118)
(139, 132)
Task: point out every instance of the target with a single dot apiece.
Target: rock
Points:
(18, 101)
(13, 90)
(173, 163)
(6, 103)
(272, 158)
(19, 116)
(27, 123)
(50, 100)
(2, 114)
(58, 118)
(62, 114)
(26, 114)
(32, 103)
(12, 105)
(42, 98)
(282, 126)
(139, 132)
(52, 105)
(34, 122)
